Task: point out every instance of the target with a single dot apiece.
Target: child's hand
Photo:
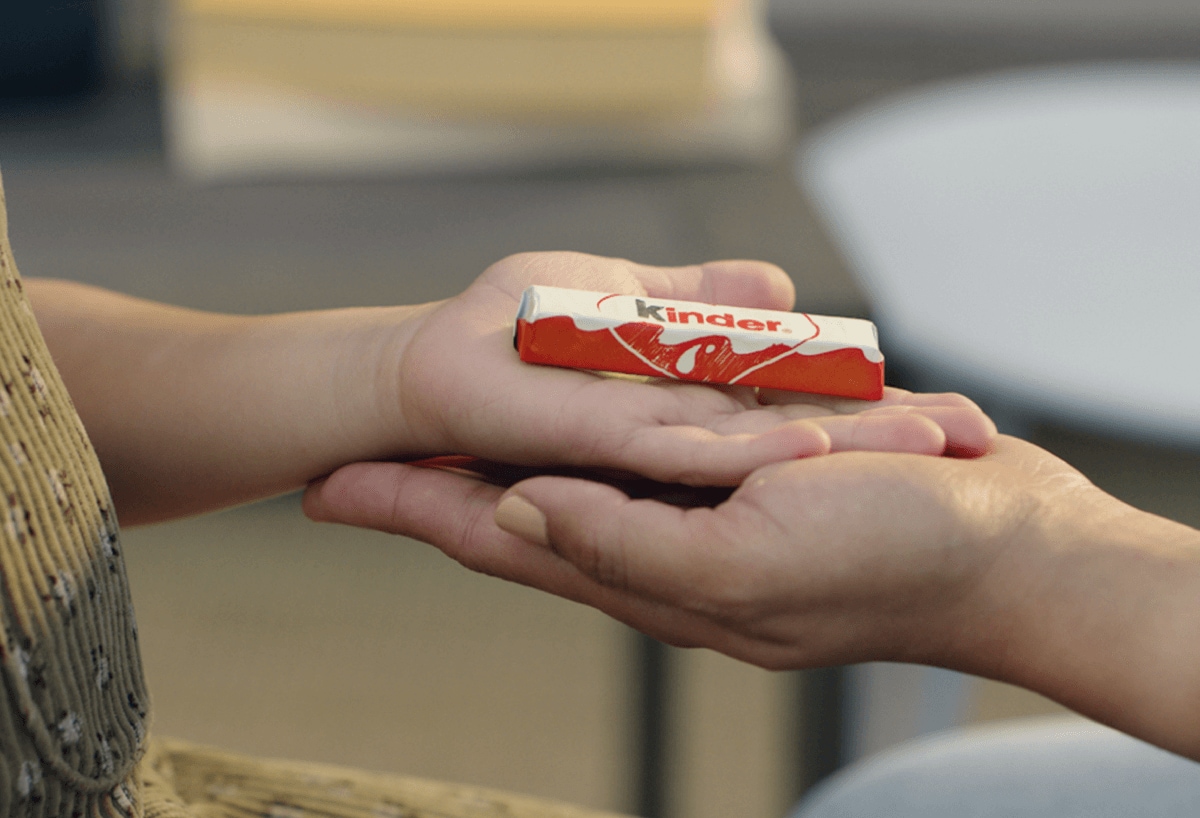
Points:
(463, 390)
(192, 411)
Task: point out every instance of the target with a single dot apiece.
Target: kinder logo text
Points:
(669, 315)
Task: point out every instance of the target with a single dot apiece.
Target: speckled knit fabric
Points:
(74, 724)
(73, 719)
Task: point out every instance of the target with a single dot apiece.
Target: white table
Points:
(1035, 237)
(1031, 238)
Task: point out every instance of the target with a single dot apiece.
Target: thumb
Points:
(640, 546)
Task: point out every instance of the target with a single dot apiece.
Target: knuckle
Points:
(731, 592)
(603, 558)
(958, 400)
(543, 266)
(735, 599)
(517, 260)
(587, 545)
(695, 463)
(595, 440)
(472, 533)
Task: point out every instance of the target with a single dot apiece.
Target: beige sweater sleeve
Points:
(72, 722)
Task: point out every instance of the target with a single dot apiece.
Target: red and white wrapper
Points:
(700, 342)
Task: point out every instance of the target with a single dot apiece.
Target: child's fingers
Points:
(968, 431)
(696, 456)
(907, 432)
(697, 436)
(964, 431)
(754, 284)
(888, 429)
(891, 397)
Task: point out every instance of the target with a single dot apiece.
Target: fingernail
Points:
(521, 518)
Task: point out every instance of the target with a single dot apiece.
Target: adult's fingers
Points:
(457, 514)
(450, 510)
(453, 511)
(684, 558)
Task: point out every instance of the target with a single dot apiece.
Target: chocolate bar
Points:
(638, 335)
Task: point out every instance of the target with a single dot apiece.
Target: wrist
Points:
(354, 360)
(255, 406)
(1095, 605)
(191, 411)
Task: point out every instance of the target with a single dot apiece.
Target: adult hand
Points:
(462, 389)
(816, 561)
(1011, 565)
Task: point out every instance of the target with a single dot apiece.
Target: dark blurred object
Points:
(823, 693)
(652, 695)
(51, 49)
(637, 488)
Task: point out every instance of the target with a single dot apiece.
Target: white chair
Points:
(1031, 238)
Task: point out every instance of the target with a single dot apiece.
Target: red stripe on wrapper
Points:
(843, 373)
(556, 341)
(636, 348)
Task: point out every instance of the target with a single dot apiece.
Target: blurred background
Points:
(262, 155)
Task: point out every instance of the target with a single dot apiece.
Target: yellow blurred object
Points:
(464, 74)
(353, 86)
(488, 14)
